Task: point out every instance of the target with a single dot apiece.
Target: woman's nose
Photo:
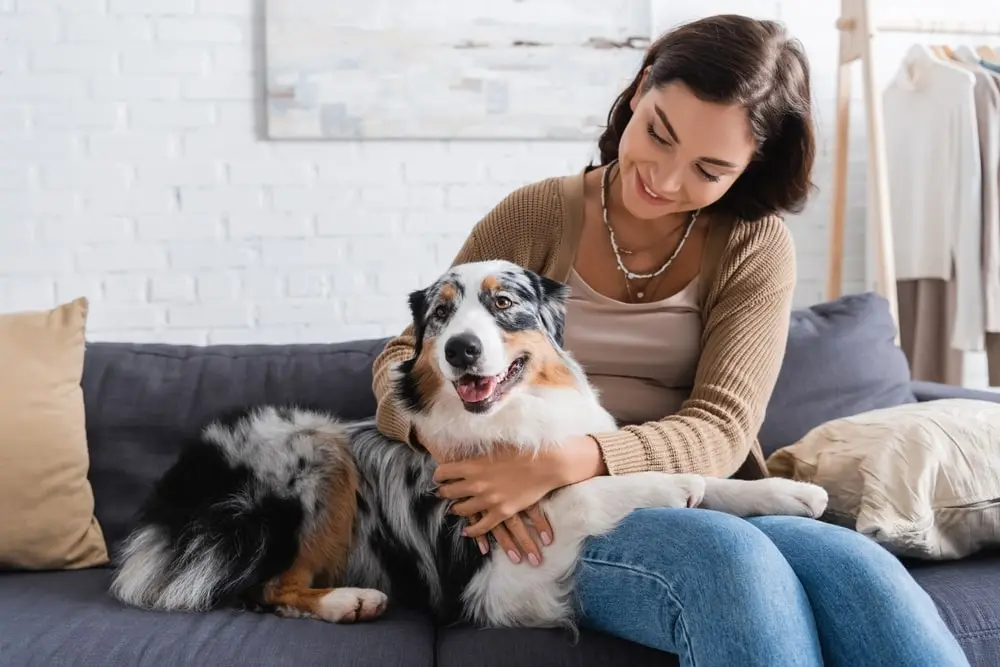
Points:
(667, 179)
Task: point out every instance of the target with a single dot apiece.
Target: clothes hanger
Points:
(938, 51)
(949, 53)
(937, 55)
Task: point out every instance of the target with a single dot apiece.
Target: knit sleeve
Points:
(743, 344)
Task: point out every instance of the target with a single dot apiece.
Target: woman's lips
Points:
(647, 194)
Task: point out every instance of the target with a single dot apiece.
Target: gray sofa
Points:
(142, 399)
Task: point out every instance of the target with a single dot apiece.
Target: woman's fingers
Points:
(526, 543)
(483, 541)
(455, 490)
(541, 523)
(507, 543)
(449, 471)
(484, 524)
(470, 507)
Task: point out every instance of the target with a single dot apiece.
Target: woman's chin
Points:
(642, 210)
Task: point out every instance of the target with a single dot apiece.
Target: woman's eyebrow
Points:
(673, 135)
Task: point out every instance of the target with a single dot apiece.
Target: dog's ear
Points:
(418, 305)
(552, 306)
(418, 314)
(554, 290)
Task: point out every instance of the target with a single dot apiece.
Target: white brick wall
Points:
(131, 171)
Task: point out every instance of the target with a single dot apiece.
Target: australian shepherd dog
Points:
(291, 510)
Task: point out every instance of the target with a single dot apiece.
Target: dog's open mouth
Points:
(479, 392)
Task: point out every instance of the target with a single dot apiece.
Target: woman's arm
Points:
(743, 346)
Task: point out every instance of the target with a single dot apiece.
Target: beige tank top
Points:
(641, 357)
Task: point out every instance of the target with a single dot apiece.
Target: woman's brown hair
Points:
(733, 59)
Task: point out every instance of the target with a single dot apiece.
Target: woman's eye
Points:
(503, 302)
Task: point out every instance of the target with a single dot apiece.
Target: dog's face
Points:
(484, 330)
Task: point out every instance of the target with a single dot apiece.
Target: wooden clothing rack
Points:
(858, 31)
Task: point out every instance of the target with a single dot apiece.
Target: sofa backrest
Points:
(143, 400)
(841, 359)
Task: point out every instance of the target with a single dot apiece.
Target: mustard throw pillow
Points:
(922, 479)
(46, 502)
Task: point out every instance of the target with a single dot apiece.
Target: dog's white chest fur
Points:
(535, 419)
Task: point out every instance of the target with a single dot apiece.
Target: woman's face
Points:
(679, 153)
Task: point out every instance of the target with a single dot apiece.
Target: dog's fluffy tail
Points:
(228, 515)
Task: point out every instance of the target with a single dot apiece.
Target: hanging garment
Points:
(935, 183)
(991, 267)
(993, 359)
(926, 320)
(987, 97)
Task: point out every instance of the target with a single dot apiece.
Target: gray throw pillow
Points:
(840, 360)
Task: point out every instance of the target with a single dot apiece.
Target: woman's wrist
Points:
(578, 460)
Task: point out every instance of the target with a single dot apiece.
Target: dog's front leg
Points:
(597, 505)
(763, 497)
(293, 596)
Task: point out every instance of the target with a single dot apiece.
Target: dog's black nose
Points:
(463, 350)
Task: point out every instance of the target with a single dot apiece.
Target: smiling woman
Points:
(681, 273)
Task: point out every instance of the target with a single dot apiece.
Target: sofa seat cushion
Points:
(68, 619)
(965, 592)
(462, 646)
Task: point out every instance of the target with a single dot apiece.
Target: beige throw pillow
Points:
(46, 502)
(922, 479)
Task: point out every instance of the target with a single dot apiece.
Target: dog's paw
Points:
(672, 490)
(350, 605)
(789, 497)
(692, 488)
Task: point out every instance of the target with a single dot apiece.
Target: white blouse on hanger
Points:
(935, 182)
(987, 96)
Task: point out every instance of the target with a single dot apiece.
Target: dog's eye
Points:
(441, 312)
(503, 302)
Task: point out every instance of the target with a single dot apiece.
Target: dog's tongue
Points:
(473, 390)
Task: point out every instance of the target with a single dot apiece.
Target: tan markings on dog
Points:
(323, 555)
(448, 292)
(425, 371)
(546, 367)
(490, 284)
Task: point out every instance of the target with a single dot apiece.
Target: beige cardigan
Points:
(750, 273)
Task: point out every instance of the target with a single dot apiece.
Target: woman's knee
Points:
(837, 558)
(706, 557)
(677, 578)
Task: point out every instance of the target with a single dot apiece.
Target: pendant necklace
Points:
(630, 275)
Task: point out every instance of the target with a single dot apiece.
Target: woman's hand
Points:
(500, 494)
(519, 535)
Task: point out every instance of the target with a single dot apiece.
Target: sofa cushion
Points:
(68, 619)
(965, 593)
(919, 479)
(463, 646)
(46, 501)
(142, 400)
(840, 360)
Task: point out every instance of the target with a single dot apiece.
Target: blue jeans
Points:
(775, 591)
